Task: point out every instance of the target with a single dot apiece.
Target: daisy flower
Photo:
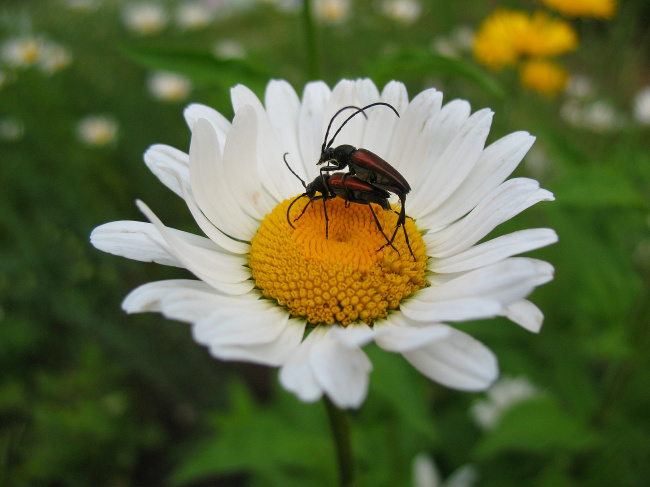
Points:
(290, 296)
(167, 86)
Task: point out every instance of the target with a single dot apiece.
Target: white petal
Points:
(273, 173)
(494, 165)
(448, 123)
(169, 165)
(412, 137)
(525, 314)
(506, 282)
(222, 271)
(395, 94)
(211, 187)
(213, 233)
(240, 325)
(191, 305)
(408, 337)
(142, 241)
(297, 376)
(462, 309)
(184, 300)
(310, 125)
(283, 108)
(382, 121)
(146, 298)
(448, 171)
(221, 124)
(344, 94)
(240, 163)
(424, 472)
(495, 250)
(341, 370)
(457, 361)
(353, 336)
(274, 353)
(367, 92)
(508, 200)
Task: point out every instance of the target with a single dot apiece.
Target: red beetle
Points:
(347, 187)
(366, 166)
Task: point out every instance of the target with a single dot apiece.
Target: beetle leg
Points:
(382, 231)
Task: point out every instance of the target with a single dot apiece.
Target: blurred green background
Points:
(92, 397)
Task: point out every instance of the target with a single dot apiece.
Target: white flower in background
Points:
(580, 87)
(404, 11)
(571, 112)
(97, 130)
(194, 15)
(444, 46)
(54, 58)
(463, 37)
(641, 108)
(333, 11)
(600, 116)
(21, 52)
(458, 41)
(425, 474)
(168, 86)
(502, 396)
(229, 49)
(11, 129)
(145, 18)
(261, 283)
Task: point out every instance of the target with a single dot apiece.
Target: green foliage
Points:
(91, 397)
(417, 63)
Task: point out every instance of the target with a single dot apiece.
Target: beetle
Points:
(349, 188)
(366, 166)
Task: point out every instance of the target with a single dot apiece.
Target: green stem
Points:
(341, 432)
(313, 52)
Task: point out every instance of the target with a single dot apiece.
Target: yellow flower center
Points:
(342, 278)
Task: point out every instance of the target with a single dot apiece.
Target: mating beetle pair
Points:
(369, 179)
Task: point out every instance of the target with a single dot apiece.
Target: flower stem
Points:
(313, 52)
(341, 431)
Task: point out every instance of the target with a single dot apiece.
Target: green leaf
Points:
(201, 67)
(416, 63)
(275, 446)
(537, 425)
(598, 187)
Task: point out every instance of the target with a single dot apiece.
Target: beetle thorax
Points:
(338, 156)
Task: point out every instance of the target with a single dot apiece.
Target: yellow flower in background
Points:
(507, 35)
(600, 9)
(495, 44)
(545, 36)
(543, 76)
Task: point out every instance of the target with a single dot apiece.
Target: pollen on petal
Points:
(343, 277)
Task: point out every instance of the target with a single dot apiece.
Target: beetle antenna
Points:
(291, 206)
(292, 171)
(332, 121)
(359, 110)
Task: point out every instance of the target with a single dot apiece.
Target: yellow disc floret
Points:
(343, 277)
